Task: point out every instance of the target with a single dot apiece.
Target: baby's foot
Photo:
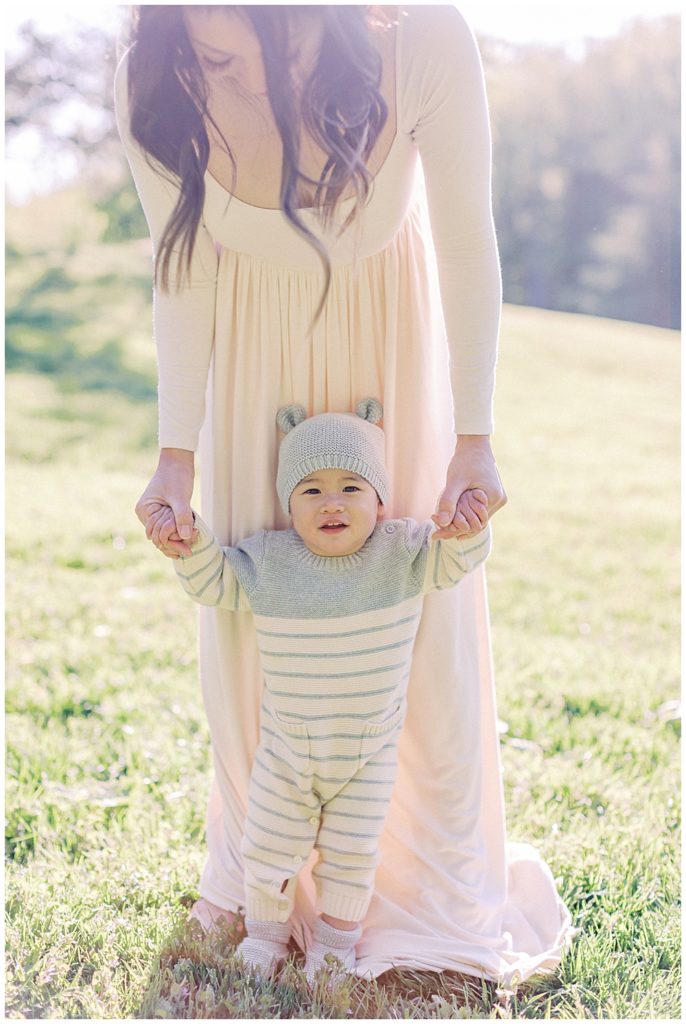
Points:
(336, 943)
(265, 947)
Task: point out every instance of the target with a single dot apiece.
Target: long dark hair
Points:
(342, 109)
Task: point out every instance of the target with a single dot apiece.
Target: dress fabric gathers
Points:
(411, 318)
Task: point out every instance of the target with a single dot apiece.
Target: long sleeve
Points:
(220, 577)
(446, 103)
(450, 561)
(183, 319)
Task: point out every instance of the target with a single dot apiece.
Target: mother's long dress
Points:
(450, 892)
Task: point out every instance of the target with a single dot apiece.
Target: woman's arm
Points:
(183, 323)
(451, 129)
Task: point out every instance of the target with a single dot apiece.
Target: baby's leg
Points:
(281, 824)
(348, 845)
(348, 839)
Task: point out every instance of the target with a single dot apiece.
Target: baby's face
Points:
(334, 511)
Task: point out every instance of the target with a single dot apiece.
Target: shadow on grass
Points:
(37, 341)
(61, 360)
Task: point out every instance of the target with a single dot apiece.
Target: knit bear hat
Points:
(331, 440)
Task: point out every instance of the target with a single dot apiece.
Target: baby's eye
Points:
(312, 490)
(352, 487)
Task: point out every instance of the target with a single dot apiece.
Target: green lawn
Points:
(107, 746)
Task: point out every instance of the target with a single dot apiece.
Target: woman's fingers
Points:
(162, 528)
(154, 517)
(458, 527)
(149, 505)
(168, 529)
(183, 517)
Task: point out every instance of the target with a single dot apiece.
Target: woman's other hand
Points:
(472, 466)
(171, 487)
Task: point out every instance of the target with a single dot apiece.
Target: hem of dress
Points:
(508, 975)
(219, 900)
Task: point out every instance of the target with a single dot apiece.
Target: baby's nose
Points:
(333, 502)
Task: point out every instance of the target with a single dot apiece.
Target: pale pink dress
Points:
(450, 892)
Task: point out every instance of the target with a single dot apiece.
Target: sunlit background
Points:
(585, 110)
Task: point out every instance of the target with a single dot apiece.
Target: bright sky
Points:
(554, 21)
(548, 21)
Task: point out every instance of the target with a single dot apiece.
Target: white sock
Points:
(266, 946)
(330, 941)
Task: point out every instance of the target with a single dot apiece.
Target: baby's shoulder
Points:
(282, 545)
(410, 534)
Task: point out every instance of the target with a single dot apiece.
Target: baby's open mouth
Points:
(333, 527)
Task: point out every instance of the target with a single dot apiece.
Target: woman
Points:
(278, 153)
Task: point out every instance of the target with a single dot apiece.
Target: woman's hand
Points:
(472, 466)
(170, 488)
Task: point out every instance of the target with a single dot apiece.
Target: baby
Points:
(336, 602)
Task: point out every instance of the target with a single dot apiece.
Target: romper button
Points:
(389, 529)
(297, 859)
(313, 821)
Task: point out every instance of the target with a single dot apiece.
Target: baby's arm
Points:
(451, 560)
(207, 574)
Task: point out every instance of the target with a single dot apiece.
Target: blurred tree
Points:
(640, 239)
(586, 173)
(60, 114)
(58, 88)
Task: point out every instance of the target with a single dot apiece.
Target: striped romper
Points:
(335, 636)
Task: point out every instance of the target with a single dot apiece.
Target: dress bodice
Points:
(267, 234)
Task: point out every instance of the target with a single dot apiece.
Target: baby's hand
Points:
(162, 524)
(471, 513)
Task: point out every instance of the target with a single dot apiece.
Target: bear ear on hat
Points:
(370, 409)
(290, 416)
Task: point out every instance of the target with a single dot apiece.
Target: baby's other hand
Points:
(471, 513)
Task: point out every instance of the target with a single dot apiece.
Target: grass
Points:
(107, 747)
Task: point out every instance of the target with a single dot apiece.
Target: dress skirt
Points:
(450, 893)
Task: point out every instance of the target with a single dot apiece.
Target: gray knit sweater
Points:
(335, 633)
(275, 574)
